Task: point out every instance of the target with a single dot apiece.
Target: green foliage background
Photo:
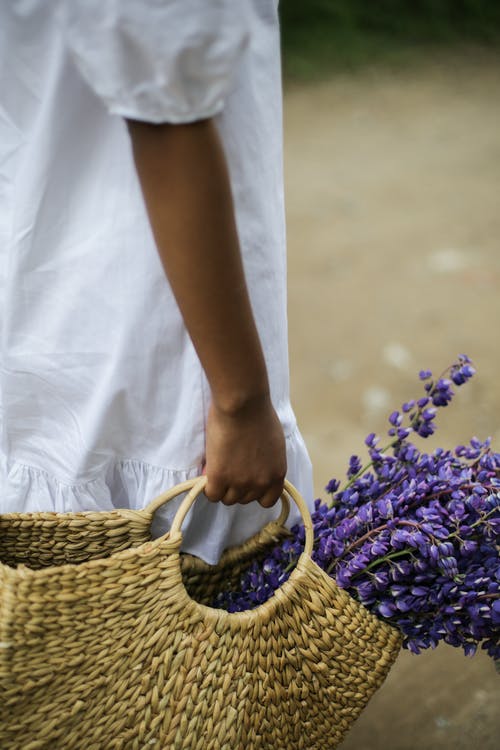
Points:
(321, 35)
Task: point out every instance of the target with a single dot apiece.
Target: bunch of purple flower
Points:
(412, 536)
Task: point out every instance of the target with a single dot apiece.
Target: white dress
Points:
(103, 400)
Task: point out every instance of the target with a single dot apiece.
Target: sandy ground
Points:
(393, 215)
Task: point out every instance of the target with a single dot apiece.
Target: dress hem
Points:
(129, 483)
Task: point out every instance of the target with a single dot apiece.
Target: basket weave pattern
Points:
(102, 646)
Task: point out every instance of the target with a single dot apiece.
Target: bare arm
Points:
(185, 183)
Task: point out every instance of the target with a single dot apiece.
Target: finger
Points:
(271, 496)
(214, 490)
(232, 496)
(244, 497)
(250, 497)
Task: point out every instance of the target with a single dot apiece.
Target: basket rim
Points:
(303, 569)
(172, 541)
(214, 616)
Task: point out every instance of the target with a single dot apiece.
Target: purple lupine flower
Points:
(408, 406)
(386, 608)
(414, 537)
(461, 373)
(403, 432)
(355, 466)
(332, 486)
(395, 418)
(442, 392)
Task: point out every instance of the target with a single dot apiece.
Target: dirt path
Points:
(393, 211)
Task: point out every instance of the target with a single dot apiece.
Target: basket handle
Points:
(198, 485)
(168, 495)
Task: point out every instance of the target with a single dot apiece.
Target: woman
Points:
(143, 263)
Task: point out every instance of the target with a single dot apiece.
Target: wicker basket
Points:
(103, 647)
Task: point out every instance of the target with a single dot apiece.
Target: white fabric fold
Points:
(170, 61)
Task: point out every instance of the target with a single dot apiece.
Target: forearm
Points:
(186, 188)
(187, 192)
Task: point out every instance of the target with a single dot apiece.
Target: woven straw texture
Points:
(106, 644)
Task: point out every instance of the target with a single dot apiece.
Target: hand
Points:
(245, 455)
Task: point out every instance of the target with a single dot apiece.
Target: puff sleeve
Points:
(157, 60)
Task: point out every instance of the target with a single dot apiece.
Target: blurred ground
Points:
(393, 216)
